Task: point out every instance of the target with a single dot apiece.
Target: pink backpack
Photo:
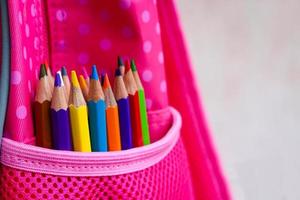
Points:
(180, 163)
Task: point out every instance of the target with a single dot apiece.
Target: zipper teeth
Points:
(38, 159)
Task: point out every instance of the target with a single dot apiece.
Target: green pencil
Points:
(143, 110)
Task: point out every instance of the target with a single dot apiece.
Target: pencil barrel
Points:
(80, 128)
(135, 120)
(125, 123)
(97, 124)
(113, 129)
(144, 118)
(43, 124)
(61, 132)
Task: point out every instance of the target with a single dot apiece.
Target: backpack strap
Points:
(5, 64)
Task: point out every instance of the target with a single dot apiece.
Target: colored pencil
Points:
(78, 117)
(97, 113)
(121, 65)
(131, 88)
(61, 131)
(86, 76)
(102, 78)
(83, 86)
(124, 110)
(42, 110)
(142, 101)
(49, 73)
(112, 117)
(66, 82)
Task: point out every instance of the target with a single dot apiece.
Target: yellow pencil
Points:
(78, 117)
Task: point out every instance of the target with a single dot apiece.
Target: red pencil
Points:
(134, 106)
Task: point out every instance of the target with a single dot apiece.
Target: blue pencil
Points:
(121, 96)
(97, 114)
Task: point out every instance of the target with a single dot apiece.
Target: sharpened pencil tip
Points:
(74, 79)
(94, 74)
(57, 82)
(64, 71)
(120, 61)
(102, 78)
(43, 71)
(133, 66)
(82, 81)
(106, 83)
(118, 72)
(127, 65)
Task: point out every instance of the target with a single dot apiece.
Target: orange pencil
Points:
(86, 76)
(84, 87)
(112, 117)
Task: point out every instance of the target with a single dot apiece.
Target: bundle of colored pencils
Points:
(87, 114)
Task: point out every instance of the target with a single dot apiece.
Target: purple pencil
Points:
(121, 96)
(61, 132)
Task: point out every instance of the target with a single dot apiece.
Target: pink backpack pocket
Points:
(156, 171)
(180, 162)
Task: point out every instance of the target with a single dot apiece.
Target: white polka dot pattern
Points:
(21, 112)
(163, 86)
(157, 28)
(147, 46)
(27, 30)
(147, 75)
(20, 17)
(61, 15)
(146, 16)
(161, 57)
(105, 44)
(149, 103)
(89, 33)
(28, 50)
(15, 77)
(24, 53)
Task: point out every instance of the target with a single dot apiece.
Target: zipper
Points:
(67, 163)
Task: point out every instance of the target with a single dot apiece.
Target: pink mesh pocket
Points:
(156, 171)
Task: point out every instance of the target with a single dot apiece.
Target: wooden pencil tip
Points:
(127, 65)
(43, 71)
(82, 81)
(133, 66)
(106, 83)
(102, 78)
(118, 72)
(94, 74)
(74, 79)
(120, 61)
(57, 82)
(64, 71)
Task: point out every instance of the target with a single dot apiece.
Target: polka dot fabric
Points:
(88, 32)
(28, 50)
(169, 179)
(80, 33)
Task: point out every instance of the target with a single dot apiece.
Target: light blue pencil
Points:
(97, 114)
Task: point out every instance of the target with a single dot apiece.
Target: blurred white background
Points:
(246, 55)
